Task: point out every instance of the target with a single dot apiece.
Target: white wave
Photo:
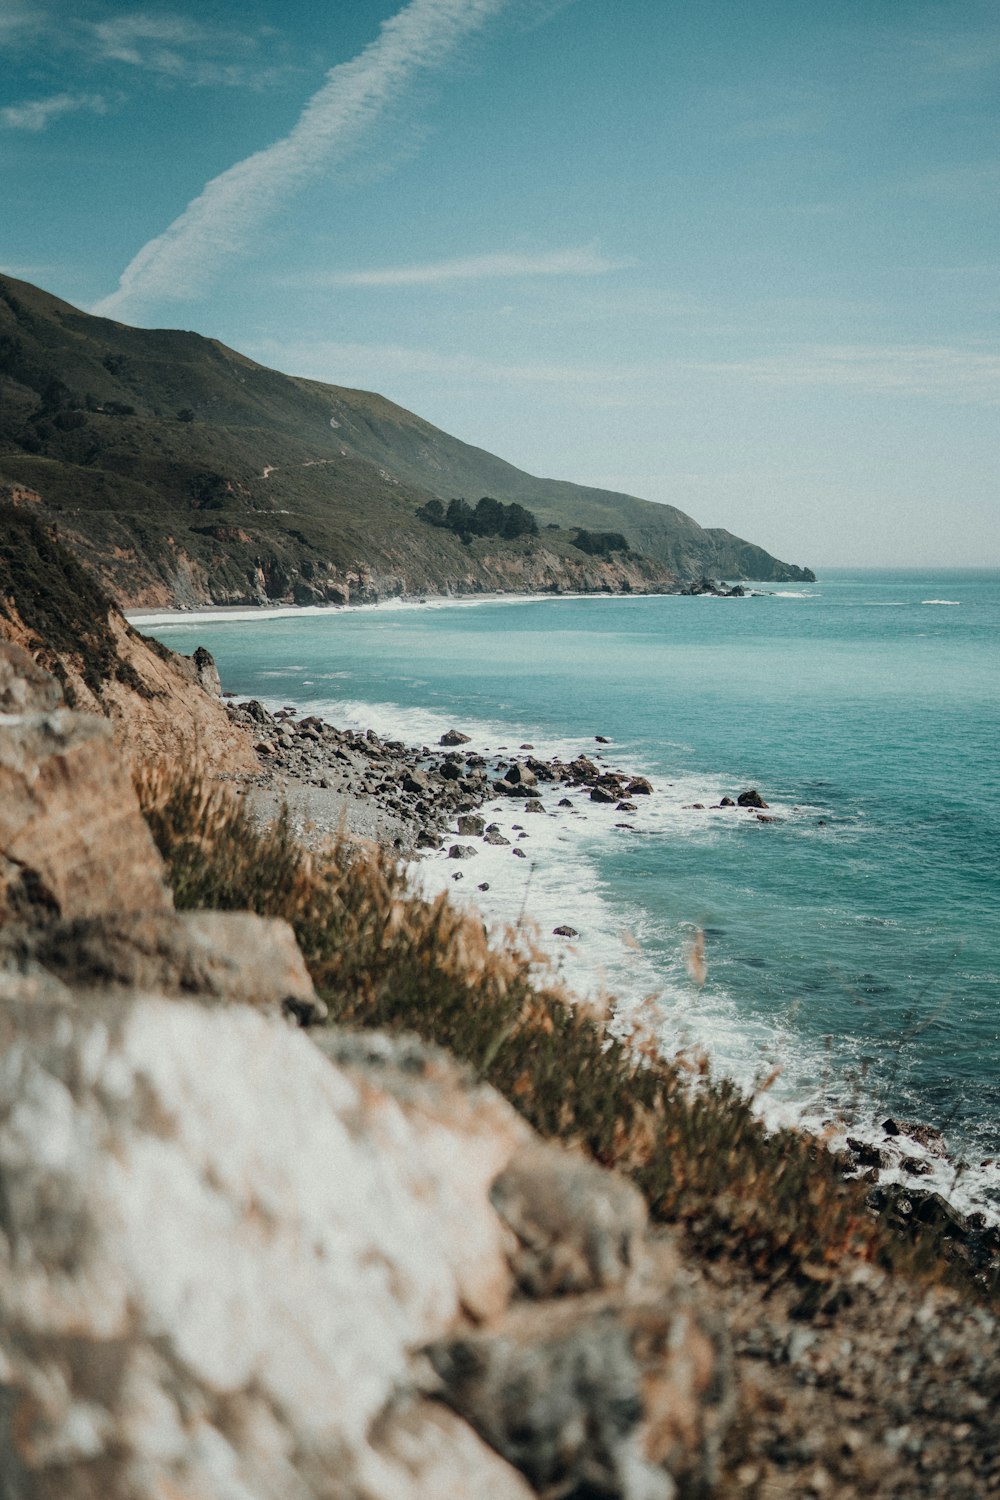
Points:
(238, 614)
(624, 950)
(792, 594)
(940, 601)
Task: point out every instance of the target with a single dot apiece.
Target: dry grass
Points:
(383, 958)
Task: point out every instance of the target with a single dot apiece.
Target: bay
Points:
(853, 944)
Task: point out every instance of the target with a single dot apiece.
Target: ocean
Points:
(852, 945)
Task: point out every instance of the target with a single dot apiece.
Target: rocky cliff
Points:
(160, 704)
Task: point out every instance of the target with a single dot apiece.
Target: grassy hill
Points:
(186, 473)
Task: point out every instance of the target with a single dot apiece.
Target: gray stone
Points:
(229, 1253)
(752, 798)
(520, 776)
(222, 957)
(579, 1227)
(72, 838)
(25, 687)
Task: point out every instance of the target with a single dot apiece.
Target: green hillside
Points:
(186, 473)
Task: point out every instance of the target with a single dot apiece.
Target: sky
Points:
(742, 256)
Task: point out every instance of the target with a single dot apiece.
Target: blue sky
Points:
(742, 257)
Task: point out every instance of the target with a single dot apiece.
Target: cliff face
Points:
(157, 702)
(184, 473)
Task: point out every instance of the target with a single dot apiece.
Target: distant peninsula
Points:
(185, 474)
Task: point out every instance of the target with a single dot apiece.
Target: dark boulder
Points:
(256, 711)
(752, 798)
(565, 931)
(601, 794)
(867, 1155)
(454, 737)
(461, 851)
(925, 1135)
(520, 776)
(639, 787)
(583, 769)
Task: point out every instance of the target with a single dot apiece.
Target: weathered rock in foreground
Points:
(25, 687)
(237, 1262)
(72, 839)
(231, 957)
(223, 1253)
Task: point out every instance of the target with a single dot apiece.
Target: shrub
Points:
(60, 602)
(599, 543)
(488, 518)
(381, 957)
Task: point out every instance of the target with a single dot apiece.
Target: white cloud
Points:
(17, 18)
(36, 114)
(214, 227)
(145, 41)
(961, 52)
(948, 374)
(580, 261)
(974, 180)
(177, 47)
(343, 362)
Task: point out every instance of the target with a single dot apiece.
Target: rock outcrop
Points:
(159, 704)
(238, 1258)
(72, 839)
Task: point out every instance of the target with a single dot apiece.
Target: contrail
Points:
(213, 227)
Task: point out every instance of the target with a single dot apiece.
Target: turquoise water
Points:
(855, 942)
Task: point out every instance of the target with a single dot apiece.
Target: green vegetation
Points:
(600, 543)
(693, 1144)
(59, 602)
(130, 434)
(488, 518)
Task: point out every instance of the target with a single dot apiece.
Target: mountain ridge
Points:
(185, 473)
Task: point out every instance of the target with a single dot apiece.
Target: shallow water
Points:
(855, 942)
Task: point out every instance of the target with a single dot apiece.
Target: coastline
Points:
(401, 602)
(564, 879)
(464, 817)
